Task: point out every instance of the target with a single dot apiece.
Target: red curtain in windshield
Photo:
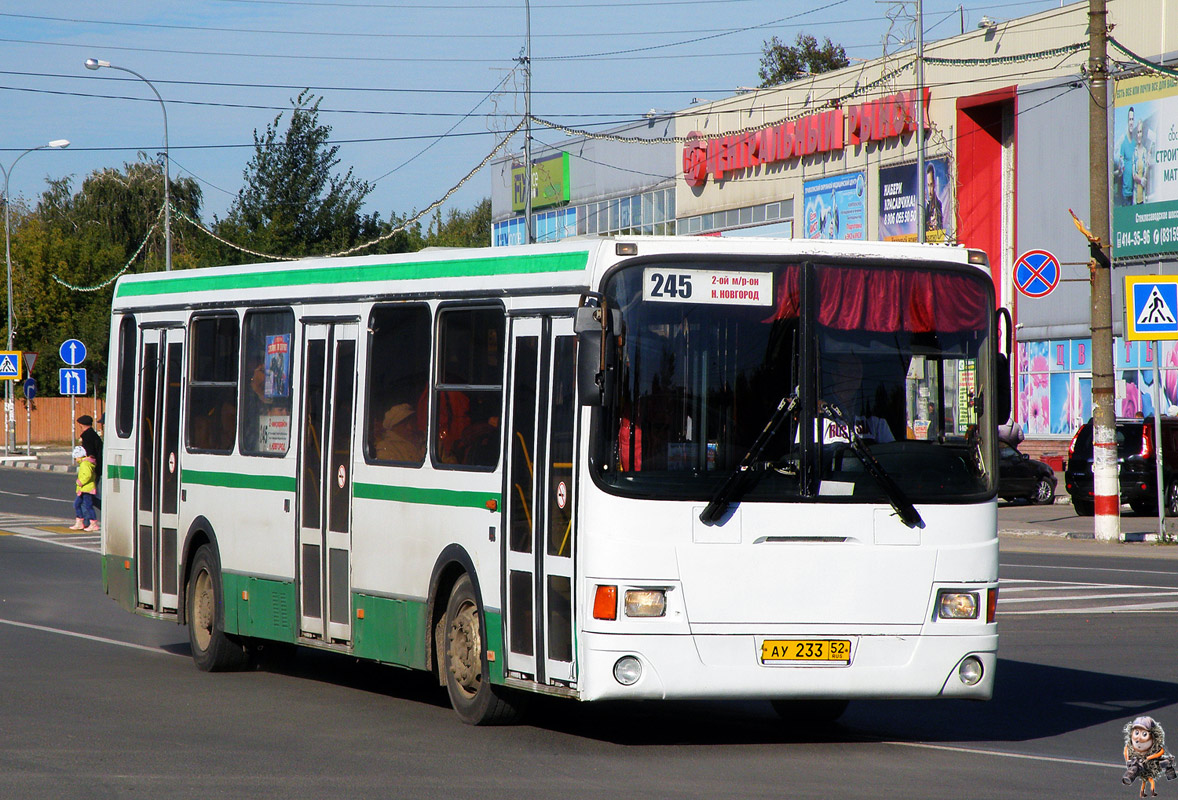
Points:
(888, 300)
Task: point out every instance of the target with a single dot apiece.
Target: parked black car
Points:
(1136, 466)
(1020, 476)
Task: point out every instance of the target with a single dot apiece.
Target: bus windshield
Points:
(895, 357)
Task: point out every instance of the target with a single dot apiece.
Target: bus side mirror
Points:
(1003, 387)
(596, 360)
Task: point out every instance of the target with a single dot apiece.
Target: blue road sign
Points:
(1036, 273)
(30, 389)
(72, 352)
(1151, 307)
(73, 381)
(10, 365)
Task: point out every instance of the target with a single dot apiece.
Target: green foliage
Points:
(782, 63)
(84, 239)
(462, 228)
(293, 202)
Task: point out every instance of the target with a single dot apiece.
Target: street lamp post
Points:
(9, 418)
(97, 63)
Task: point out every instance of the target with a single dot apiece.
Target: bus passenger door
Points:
(539, 537)
(325, 480)
(157, 472)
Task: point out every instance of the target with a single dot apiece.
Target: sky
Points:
(417, 92)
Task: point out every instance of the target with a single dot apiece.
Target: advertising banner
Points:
(897, 202)
(550, 182)
(834, 207)
(1145, 167)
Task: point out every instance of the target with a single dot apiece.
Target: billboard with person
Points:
(897, 202)
(1145, 167)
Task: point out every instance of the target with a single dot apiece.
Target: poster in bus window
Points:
(834, 207)
(277, 366)
(897, 202)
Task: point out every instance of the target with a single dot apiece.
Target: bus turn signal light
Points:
(605, 603)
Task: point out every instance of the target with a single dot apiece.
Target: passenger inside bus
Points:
(398, 436)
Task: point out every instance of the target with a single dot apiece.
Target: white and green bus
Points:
(632, 468)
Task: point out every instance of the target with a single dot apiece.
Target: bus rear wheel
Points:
(474, 698)
(212, 649)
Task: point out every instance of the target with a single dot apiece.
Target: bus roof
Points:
(574, 264)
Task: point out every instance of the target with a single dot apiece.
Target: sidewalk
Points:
(52, 458)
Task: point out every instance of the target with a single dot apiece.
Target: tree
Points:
(462, 228)
(293, 202)
(84, 238)
(782, 63)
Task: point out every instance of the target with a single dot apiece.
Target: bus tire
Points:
(809, 713)
(212, 649)
(464, 665)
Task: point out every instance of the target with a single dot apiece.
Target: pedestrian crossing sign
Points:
(10, 365)
(1151, 307)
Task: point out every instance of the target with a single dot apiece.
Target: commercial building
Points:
(1006, 156)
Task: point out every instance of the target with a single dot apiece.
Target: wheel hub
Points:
(464, 649)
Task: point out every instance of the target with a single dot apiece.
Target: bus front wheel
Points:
(212, 649)
(475, 699)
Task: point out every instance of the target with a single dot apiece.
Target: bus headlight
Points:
(957, 605)
(646, 602)
(627, 670)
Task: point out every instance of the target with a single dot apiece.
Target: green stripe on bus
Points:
(433, 497)
(124, 472)
(326, 275)
(237, 480)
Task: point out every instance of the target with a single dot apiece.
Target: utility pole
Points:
(920, 112)
(529, 237)
(1106, 487)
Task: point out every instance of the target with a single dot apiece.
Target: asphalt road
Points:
(99, 703)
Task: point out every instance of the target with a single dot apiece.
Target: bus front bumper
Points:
(729, 666)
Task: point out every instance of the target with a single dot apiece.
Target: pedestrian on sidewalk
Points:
(85, 518)
(93, 444)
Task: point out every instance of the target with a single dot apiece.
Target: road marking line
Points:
(50, 538)
(1084, 584)
(981, 752)
(1171, 573)
(89, 637)
(1133, 608)
(1084, 597)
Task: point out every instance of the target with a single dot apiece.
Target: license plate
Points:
(779, 651)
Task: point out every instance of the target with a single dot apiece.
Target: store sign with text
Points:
(727, 157)
(550, 182)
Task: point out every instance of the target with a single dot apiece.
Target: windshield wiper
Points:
(734, 486)
(904, 508)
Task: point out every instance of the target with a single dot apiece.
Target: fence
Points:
(52, 421)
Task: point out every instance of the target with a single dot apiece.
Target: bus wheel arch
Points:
(458, 628)
(200, 533)
(452, 564)
(213, 650)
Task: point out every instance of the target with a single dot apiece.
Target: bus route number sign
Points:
(727, 288)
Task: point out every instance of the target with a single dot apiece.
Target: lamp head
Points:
(95, 63)
(59, 143)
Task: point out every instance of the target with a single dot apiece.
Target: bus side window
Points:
(266, 397)
(125, 397)
(212, 386)
(468, 395)
(398, 384)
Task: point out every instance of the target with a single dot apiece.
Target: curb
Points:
(22, 464)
